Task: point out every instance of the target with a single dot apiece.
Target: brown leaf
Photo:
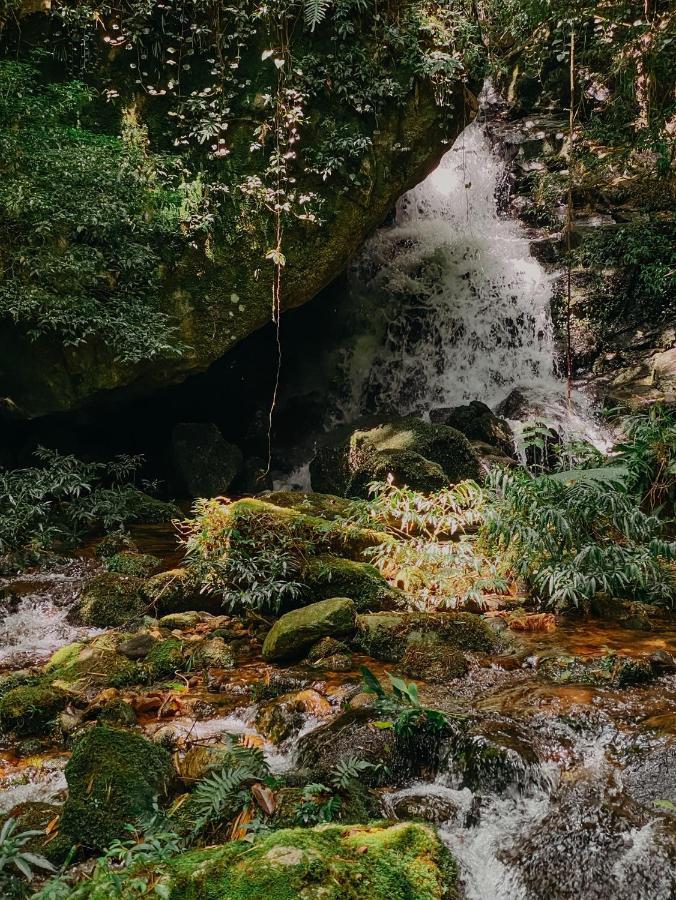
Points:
(264, 798)
(52, 825)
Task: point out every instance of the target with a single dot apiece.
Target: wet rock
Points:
(110, 600)
(611, 670)
(204, 461)
(83, 669)
(137, 647)
(326, 647)
(478, 423)
(214, 654)
(380, 861)
(336, 662)
(433, 662)
(141, 565)
(662, 661)
(495, 756)
(297, 630)
(423, 456)
(114, 777)
(433, 807)
(331, 576)
(279, 718)
(386, 636)
(29, 709)
(164, 659)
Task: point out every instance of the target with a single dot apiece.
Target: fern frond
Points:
(315, 12)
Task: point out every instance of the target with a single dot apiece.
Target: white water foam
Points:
(460, 308)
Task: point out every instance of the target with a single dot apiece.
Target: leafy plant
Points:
(59, 500)
(314, 12)
(431, 553)
(402, 703)
(648, 453)
(222, 795)
(318, 805)
(253, 563)
(574, 537)
(14, 857)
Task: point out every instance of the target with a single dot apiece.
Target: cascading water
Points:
(458, 309)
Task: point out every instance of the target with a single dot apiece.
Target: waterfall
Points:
(454, 306)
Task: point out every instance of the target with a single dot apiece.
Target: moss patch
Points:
(126, 562)
(28, 710)
(330, 576)
(110, 600)
(387, 636)
(404, 861)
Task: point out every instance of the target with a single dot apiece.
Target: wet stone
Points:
(137, 647)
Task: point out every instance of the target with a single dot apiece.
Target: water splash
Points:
(458, 309)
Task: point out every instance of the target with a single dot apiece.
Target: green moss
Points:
(114, 777)
(425, 457)
(115, 542)
(110, 600)
(164, 659)
(296, 631)
(403, 861)
(64, 656)
(126, 562)
(29, 709)
(331, 576)
(94, 665)
(117, 712)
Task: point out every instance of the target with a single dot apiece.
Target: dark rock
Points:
(110, 600)
(478, 423)
(387, 636)
(204, 461)
(425, 457)
(137, 647)
(433, 662)
(434, 808)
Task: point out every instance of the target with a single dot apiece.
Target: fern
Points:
(223, 794)
(315, 12)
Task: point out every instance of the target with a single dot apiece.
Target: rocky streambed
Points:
(551, 776)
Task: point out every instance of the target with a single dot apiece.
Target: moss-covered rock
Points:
(278, 718)
(477, 422)
(423, 456)
(115, 542)
(29, 709)
(379, 861)
(322, 506)
(611, 670)
(83, 669)
(110, 600)
(297, 630)
(177, 591)
(117, 712)
(326, 646)
(331, 576)
(114, 777)
(214, 653)
(126, 562)
(164, 659)
(181, 621)
(434, 662)
(387, 636)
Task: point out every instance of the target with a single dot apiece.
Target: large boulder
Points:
(297, 630)
(422, 456)
(205, 463)
(109, 600)
(332, 576)
(189, 211)
(389, 636)
(477, 422)
(29, 709)
(378, 861)
(114, 777)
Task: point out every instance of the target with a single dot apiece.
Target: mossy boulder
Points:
(109, 600)
(478, 422)
(181, 621)
(326, 646)
(164, 659)
(387, 636)
(214, 653)
(29, 709)
(251, 517)
(379, 861)
(322, 506)
(434, 662)
(117, 712)
(114, 777)
(332, 576)
(177, 591)
(126, 562)
(611, 670)
(115, 542)
(425, 457)
(297, 630)
(83, 669)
